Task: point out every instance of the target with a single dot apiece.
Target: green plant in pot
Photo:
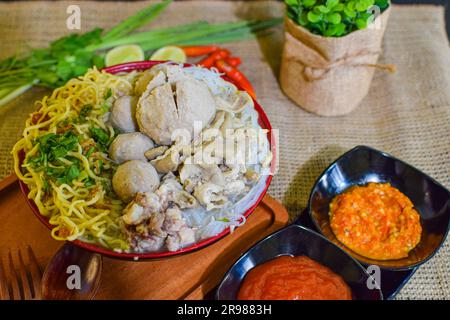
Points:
(330, 52)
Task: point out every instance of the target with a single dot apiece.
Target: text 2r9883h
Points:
(251, 309)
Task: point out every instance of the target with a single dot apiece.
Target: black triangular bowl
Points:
(362, 165)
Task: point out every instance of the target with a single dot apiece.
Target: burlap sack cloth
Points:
(329, 76)
(406, 113)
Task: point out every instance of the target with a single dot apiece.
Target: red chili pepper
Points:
(236, 75)
(233, 61)
(209, 61)
(197, 51)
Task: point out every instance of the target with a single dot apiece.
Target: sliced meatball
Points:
(149, 80)
(130, 146)
(159, 114)
(158, 80)
(123, 114)
(195, 103)
(134, 176)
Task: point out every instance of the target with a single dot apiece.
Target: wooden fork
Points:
(24, 280)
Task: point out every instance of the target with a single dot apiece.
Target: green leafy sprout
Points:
(333, 18)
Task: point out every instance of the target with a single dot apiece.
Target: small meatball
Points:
(134, 176)
(130, 146)
(123, 113)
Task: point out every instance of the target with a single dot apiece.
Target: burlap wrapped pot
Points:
(329, 76)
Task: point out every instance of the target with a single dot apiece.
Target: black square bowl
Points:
(362, 165)
(295, 240)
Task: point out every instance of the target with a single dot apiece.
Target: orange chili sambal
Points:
(293, 278)
(376, 221)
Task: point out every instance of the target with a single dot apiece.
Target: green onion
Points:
(148, 35)
(72, 55)
(7, 95)
(90, 151)
(139, 19)
(240, 28)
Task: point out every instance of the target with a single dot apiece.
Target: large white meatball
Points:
(130, 146)
(123, 114)
(176, 104)
(134, 176)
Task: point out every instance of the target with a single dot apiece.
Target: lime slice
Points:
(172, 53)
(123, 54)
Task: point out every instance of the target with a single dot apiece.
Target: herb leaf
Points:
(334, 18)
(101, 138)
(53, 147)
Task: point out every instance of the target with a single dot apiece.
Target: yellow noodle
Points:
(91, 213)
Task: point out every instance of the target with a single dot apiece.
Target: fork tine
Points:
(4, 293)
(14, 279)
(26, 285)
(35, 273)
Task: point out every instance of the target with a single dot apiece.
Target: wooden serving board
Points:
(189, 276)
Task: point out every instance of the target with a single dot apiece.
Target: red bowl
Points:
(143, 65)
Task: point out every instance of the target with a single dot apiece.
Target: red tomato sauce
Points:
(293, 278)
(376, 221)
